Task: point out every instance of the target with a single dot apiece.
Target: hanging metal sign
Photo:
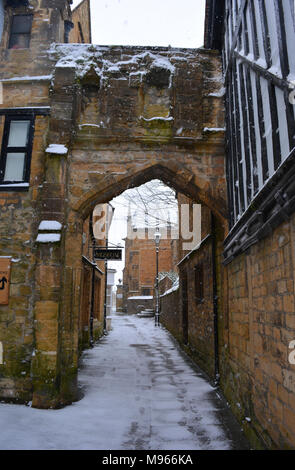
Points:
(5, 264)
(108, 254)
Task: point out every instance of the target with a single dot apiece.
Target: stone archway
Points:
(159, 120)
(68, 270)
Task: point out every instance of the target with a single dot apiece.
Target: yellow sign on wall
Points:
(5, 265)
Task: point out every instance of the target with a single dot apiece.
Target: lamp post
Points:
(157, 242)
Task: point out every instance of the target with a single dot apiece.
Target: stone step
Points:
(145, 313)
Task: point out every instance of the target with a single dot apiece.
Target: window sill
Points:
(14, 187)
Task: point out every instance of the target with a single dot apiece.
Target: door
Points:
(184, 307)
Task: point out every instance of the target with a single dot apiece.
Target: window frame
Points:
(15, 34)
(27, 150)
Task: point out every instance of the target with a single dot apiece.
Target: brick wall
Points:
(200, 315)
(258, 378)
(170, 318)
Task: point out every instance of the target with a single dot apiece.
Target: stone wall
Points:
(139, 303)
(18, 228)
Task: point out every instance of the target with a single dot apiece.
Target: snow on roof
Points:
(174, 288)
(173, 276)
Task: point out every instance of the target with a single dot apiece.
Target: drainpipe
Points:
(105, 294)
(92, 305)
(215, 302)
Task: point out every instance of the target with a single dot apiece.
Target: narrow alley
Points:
(139, 392)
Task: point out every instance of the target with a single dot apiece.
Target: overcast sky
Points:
(179, 23)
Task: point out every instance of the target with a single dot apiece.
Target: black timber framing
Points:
(239, 67)
(214, 24)
(274, 204)
(255, 92)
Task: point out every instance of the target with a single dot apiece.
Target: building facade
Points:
(119, 298)
(140, 266)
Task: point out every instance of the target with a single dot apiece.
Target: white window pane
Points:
(18, 135)
(14, 170)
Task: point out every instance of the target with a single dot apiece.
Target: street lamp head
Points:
(157, 237)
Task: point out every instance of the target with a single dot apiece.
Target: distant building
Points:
(110, 296)
(140, 266)
(119, 298)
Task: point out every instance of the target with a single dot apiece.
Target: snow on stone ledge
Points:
(28, 78)
(48, 238)
(213, 129)
(141, 297)
(157, 118)
(58, 149)
(50, 225)
(218, 94)
(15, 185)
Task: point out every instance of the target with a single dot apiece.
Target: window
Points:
(16, 149)
(20, 34)
(199, 283)
(145, 291)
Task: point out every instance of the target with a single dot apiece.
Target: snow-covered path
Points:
(140, 392)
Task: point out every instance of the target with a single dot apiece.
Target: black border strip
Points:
(39, 111)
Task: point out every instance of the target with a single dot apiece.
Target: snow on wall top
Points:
(106, 60)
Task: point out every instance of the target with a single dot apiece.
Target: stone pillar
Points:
(70, 309)
(53, 360)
